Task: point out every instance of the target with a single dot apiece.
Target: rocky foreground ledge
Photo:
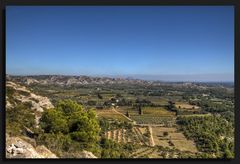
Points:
(19, 148)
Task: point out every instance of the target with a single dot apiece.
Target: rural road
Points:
(152, 140)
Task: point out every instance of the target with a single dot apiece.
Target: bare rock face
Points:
(30, 81)
(8, 104)
(19, 148)
(45, 152)
(22, 94)
(87, 154)
(25, 95)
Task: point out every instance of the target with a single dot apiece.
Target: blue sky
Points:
(153, 41)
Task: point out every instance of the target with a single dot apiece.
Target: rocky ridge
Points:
(23, 146)
(22, 94)
(68, 80)
(74, 80)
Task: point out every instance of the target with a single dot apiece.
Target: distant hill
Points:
(65, 80)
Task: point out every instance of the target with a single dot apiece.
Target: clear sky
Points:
(153, 41)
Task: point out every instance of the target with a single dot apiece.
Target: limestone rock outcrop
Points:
(19, 148)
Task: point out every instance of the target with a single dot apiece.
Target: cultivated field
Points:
(135, 136)
(169, 137)
(183, 105)
(157, 111)
(111, 115)
(147, 117)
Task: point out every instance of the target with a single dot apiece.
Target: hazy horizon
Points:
(167, 78)
(171, 43)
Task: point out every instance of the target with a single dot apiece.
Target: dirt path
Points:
(122, 114)
(151, 136)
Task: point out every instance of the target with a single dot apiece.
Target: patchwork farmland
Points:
(142, 119)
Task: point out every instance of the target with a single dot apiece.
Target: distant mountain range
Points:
(64, 80)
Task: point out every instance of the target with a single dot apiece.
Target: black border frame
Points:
(234, 3)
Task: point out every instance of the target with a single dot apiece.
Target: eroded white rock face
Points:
(38, 103)
(30, 81)
(45, 152)
(8, 104)
(18, 148)
(87, 154)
